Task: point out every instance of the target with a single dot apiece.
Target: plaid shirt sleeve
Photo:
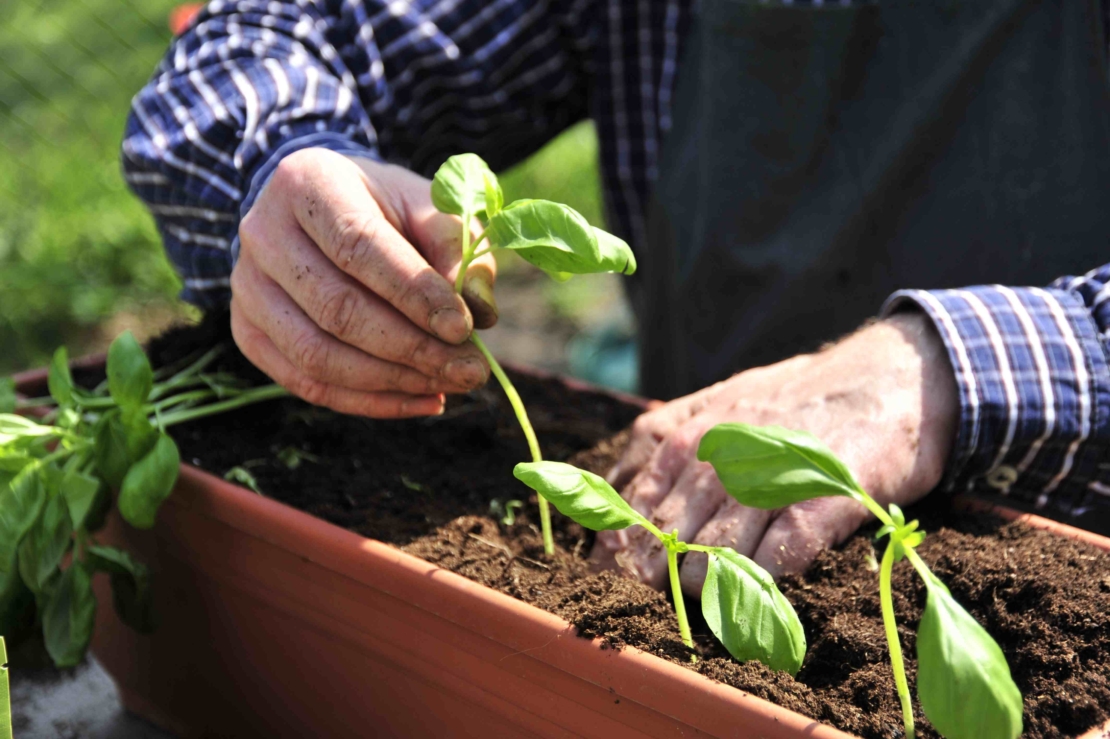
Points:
(1033, 373)
(246, 85)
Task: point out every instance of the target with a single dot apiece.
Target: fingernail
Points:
(451, 325)
(423, 406)
(478, 294)
(468, 372)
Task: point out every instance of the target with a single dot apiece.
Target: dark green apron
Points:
(824, 157)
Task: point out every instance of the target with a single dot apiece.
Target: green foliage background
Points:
(76, 248)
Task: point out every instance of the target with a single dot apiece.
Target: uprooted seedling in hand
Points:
(963, 680)
(739, 600)
(552, 236)
(57, 473)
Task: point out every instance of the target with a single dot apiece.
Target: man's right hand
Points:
(343, 292)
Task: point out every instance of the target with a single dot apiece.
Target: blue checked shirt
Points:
(414, 82)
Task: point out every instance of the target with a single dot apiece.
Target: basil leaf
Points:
(459, 186)
(130, 377)
(45, 544)
(746, 612)
(495, 197)
(80, 492)
(138, 430)
(130, 579)
(7, 395)
(772, 467)
(20, 505)
(557, 239)
(149, 482)
(59, 379)
(110, 450)
(963, 681)
(69, 617)
(14, 429)
(580, 495)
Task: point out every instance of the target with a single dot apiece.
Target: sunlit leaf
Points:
(772, 467)
(459, 186)
(579, 495)
(963, 681)
(59, 379)
(746, 612)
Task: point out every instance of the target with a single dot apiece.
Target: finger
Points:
(336, 209)
(258, 348)
(651, 428)
(696, 495)
(670, 459)
(355, 316)
(799, 532)
(732, 525)
(313, 351)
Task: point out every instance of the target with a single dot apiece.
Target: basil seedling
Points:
(740, 602)
(56, 476)
(552, 236)
(963, 681)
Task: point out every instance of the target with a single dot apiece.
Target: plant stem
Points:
(267, 392)
(529, 434)
(887, 602)
(679, 603)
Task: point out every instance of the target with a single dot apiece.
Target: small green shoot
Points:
(413, 485)
(963, 681)
(292, 457)
(740, 602)
(552, 236)
(56, 476)
(242, 476)
(505, 513)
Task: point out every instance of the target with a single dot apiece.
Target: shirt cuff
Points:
(1034, 385)
(330, 140)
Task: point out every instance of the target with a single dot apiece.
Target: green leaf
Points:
(459, 186)
(130, 377)
(495, 198)
(557, 239)
(772, 467)
(80, 492)
(5, 695)
(110, 450)
(7, 403)
(69, 617)
(580, 495)
(20, 505)
(59, 379)
(42, 549)
(747, 613)
(963, 681)
(15, 428)
(130, 579)
(138, 430)
(149, 482)
(242, 476)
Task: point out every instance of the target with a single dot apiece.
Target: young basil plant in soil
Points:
(57, 474)
(740, 602)
(963, 680)
(554, 237)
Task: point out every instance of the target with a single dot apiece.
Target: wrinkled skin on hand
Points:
(344, 289)
(884, 400)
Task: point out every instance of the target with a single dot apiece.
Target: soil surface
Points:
(437, 489)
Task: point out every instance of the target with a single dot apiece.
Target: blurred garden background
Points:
(80, 259)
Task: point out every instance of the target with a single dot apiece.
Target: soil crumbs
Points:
(438, 488)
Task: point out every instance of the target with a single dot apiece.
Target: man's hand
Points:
(343, 292)
(884, 399)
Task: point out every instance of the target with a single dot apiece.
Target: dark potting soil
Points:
(436, 488)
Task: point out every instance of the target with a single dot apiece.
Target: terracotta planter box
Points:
(275, 623)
